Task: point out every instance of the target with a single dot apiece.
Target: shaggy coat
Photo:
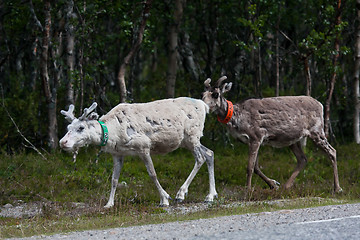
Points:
(144, 129)
(275, 121)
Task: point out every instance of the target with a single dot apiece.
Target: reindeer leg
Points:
(301, 163)
(321, 141)
(253, 152)
(209, 155)
(201, 154)
(164, 196)
(273, 184)
(118, 164)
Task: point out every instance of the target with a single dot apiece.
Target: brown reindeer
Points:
(275, 121)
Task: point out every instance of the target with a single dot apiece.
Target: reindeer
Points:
(275, 121)
(143, 129)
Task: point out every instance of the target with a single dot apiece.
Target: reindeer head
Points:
(213, 96)
(79, 130)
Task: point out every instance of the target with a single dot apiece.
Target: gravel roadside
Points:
(208, 228)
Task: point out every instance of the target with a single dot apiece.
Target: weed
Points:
(74, 193)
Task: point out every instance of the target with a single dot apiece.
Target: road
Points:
(338, 228)
(326, 222)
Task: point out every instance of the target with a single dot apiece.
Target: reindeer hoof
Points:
(164, 202)
(275, 185)
(210, 198)
(163, 205)
(180, 196)
(107, 206)
(339, 190)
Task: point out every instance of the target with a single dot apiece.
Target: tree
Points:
(264, 47)
(356, 74)
(133, 51)
(50, 91)
(70, 51)
(337, 28)
(173, 48)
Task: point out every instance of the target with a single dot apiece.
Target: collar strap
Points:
(230, 111)
(105, 136)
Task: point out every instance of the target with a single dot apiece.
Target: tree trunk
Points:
(255, 66)
(277, 55)
(34, 47)
(307, 76)
(173, 48)
(81, 63)
(70, 58)
(133, 50)
(327, 124)
(50, 94)
(259, 70)
(188, 57)
(209, 31)
(356, 77)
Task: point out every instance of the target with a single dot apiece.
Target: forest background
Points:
(56, 53)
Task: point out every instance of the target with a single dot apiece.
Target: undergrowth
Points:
(60, 182)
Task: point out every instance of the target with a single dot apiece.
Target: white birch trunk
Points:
(173, 49)
(70, 56)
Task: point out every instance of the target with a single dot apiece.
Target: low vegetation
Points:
(61, 184)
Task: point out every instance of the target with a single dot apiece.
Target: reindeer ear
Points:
(226, 87)
(93, 116)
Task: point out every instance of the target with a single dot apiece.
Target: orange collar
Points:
(229, 113)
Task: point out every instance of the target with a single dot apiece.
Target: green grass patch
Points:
(60, 184)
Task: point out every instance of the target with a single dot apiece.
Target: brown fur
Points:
(276, 121)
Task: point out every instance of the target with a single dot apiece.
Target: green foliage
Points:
(233, 38)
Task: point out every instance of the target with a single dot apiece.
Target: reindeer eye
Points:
(215, 95)
(81, 128)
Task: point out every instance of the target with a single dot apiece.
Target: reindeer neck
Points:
(96, 133)
(223, 111)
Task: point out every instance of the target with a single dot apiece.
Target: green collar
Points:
(105, 131)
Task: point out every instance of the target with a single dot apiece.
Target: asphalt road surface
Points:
(327, 222)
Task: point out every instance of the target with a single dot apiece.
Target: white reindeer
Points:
(143, 129)
(276, 121)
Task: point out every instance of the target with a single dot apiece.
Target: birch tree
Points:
(133, 51)
(70, 53)
(331, 87)
(48, 88)
(356, 76)
(173, 48)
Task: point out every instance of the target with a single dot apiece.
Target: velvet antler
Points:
(87, 111)
(219, 82)
(69, 115)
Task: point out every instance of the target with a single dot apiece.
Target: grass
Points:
(60, 183)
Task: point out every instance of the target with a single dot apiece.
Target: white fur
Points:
(143, 129)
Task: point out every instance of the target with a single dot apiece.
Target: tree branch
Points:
(17, 128)
(133, 50)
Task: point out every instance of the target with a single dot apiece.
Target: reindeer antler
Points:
(207, 83)
(87, 111)
(69, 115)
(218, 83)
